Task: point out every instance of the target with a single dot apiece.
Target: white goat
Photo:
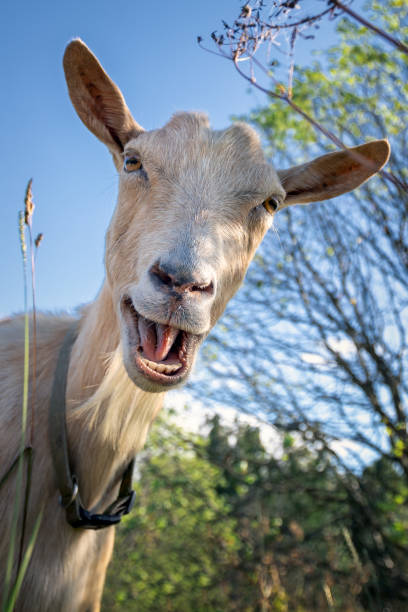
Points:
(193, 206)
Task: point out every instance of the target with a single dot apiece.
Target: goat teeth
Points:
(161, 367)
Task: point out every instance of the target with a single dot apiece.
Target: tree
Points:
(223, 523)
(265, 27)
(326, 342)
(316, 343)
(308, 538)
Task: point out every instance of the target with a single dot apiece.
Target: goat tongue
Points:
(165, 339)
(156, 339)
(147, 333)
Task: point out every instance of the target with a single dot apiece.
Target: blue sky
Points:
(150, 50)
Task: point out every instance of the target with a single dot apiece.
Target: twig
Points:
(244, 42)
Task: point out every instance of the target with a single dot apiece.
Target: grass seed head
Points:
(21, 217)
(29, 203)
(38, 240)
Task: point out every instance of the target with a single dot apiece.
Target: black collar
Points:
(76, 514)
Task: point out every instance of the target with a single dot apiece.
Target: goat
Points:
(193, 206)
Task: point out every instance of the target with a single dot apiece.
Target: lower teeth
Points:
(161, 367)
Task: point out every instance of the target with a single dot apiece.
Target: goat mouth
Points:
(161, 353)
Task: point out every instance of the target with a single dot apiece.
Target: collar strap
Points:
(67, 482)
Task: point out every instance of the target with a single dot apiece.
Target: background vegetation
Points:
(315, 344)
(222, 524)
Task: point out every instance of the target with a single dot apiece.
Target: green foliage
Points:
(223, 524)
(172, 552)
(358, 74)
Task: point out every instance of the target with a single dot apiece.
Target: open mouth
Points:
(162, 353)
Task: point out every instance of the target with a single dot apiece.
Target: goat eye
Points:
(131, 164)
(271, 205)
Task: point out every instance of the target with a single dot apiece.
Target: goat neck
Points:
(108, 416)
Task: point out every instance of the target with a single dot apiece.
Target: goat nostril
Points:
(165, 278)
(208, 288)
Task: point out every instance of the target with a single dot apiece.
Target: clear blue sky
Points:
(150, 50)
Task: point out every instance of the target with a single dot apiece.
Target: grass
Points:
(12, 585)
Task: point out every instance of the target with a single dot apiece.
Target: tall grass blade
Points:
(19, 479)
(17, 586)
(29, 453)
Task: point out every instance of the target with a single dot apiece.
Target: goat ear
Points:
(96, 98)
(333, 174)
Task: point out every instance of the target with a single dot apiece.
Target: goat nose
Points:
(177, 279)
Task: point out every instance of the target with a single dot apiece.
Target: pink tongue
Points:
(156, 339)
